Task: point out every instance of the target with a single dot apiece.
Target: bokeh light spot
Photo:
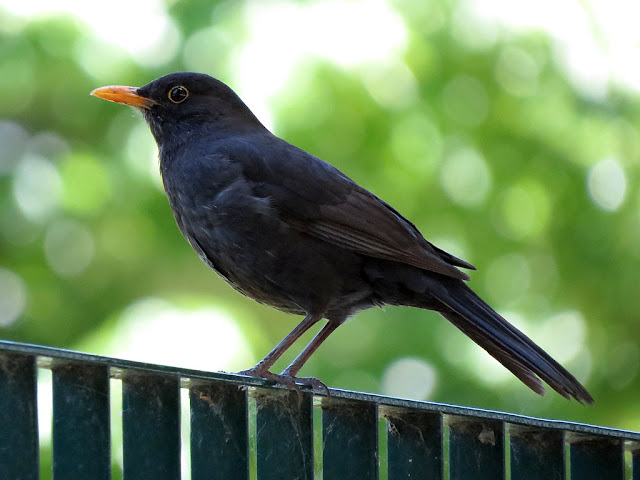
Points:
(37, 187)
(13, 139)
(196, 52)
(13, 297)
(517, 72)
(68, 247)
(607, 184)
(48, 145)
(391, 84)
(563, 335)
(409, 377)
(465, 177)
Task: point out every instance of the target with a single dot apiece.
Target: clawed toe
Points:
(313, 383)
(287, 380)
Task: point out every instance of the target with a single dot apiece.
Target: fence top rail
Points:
(119, 368)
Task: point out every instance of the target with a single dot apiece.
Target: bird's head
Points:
(181, 104)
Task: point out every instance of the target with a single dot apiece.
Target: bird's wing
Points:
(364, 224)
(316, 198)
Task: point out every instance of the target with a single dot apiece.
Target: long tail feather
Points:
(507, 344)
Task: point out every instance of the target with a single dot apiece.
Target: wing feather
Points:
(364, 224)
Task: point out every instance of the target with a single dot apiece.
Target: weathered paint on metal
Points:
(151, 427)
(19, 453)
(476, 449)
(594, 458)
(219, 432)
(349, 440)
(536, 454)
(81, 422)
(284, 435)
(414, 445)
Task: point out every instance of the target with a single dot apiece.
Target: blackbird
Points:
(291, 231)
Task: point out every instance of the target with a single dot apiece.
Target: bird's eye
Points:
(178, 94)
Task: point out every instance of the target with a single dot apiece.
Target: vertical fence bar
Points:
(476, 449)
(414, 445)
(536, 454)
(219, 432)
(596, 458)
(350, 440)
(635, 462)
(151, 427)
(284, 435)
(81, 422)
(19, 453)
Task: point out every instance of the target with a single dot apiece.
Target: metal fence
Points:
(242, 428)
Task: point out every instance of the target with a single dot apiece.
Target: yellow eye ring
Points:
(178, 94)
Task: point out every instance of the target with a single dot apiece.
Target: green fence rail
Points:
(423, 440)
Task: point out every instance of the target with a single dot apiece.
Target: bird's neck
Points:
(171, 136)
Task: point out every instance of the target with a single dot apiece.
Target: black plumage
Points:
(291, 231)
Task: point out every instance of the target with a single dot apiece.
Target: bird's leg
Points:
(261, 369)
(304, 355)
(313, 345)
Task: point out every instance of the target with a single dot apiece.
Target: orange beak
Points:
(126, 95)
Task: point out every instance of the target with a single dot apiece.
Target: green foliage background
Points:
(489, 161)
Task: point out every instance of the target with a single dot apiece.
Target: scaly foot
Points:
(286, 379)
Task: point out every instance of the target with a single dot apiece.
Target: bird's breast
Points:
(242, 235)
